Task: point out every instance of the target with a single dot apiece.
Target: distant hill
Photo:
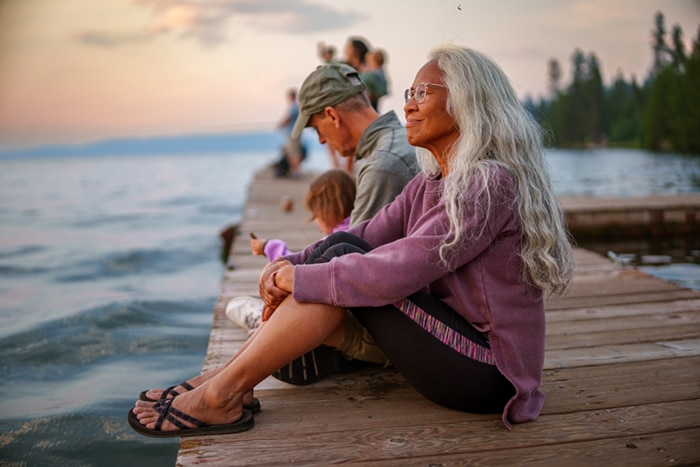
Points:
(180, 144)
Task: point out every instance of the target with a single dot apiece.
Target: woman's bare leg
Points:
(198, 380)
(293, 330)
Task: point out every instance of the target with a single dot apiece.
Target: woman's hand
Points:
(276, 283)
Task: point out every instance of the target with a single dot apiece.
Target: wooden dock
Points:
(622, 379)
(630, 218)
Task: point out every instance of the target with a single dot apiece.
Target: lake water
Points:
(109, 270)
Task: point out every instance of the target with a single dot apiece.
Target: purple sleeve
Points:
(405, 235)
(378, 277)
(275, 249)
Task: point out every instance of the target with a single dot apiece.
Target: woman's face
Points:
(428, 125)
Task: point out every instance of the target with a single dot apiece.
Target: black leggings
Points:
(446, 376)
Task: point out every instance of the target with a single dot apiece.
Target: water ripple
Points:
(21, 251)
(123, 263)
(60, 347)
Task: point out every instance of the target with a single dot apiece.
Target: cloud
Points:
(296, 16)
(108, 39)
(205, 21)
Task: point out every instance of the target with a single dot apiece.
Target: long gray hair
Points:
(495, 129)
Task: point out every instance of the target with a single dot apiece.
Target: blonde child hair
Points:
(331, 196)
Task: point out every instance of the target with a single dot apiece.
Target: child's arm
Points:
(276, 249)
(273, 249)
(257, 246)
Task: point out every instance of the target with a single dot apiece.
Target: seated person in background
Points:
(449, 279)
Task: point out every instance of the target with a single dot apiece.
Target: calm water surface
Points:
(109, 270)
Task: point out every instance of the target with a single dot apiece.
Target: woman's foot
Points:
(154, 395)
(200, 404)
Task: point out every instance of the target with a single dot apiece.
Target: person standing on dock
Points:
(293, 150)
(374, 76)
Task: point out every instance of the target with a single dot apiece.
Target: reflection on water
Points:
(675, 259)
(623, 172)
(628, 173)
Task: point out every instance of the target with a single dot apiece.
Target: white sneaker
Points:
(245, 311)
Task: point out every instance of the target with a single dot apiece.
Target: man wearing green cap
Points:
(332, 101)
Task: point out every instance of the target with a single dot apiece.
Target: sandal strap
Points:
(187, 386)
(168, 412)
(172, 392)
(169, 392)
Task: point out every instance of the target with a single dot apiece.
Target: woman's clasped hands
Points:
(276, 283)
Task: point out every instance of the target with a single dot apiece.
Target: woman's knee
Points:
(340, 244)
(343, 237)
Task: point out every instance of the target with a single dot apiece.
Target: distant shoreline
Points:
(267, 140)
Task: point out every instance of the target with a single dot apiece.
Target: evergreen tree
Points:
(659, 47)
(657, 110)
(678, 50)
(575, 108)
(595, 99)
(685, 122)
(656, 89)
(553, 77)
(661, 115)
(622, 107)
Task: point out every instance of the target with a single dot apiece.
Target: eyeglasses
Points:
(419, 92)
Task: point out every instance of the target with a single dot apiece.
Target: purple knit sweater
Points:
(483, 282)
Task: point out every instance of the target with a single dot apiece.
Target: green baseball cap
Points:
(328, 85)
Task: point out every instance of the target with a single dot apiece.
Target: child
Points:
(329, 199)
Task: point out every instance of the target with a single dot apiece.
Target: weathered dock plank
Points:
(622, 379)
(596, 217)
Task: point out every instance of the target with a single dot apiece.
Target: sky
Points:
(76, 71)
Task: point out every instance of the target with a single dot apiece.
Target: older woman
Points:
(448, 279)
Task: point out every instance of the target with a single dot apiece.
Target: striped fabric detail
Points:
(445, 334)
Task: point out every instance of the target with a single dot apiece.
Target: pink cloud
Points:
(205, 21)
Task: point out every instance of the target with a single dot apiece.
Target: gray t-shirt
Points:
(386, 164)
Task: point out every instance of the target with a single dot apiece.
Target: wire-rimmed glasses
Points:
(419, 92)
